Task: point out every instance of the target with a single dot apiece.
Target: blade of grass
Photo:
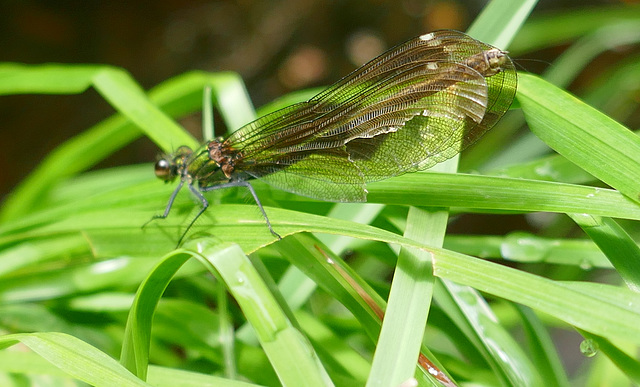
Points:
(530, 248)
(559, 300)
(616, 244)
(494, 193)
(29, 363)
(557, 28)
(76, 358)
(580, 54)
(177, 96)
(342, 354)
(409, 299)
(583, 135)
(172, 377)
(111, 214)
(625, 362)
(500, 20)
(288, 352)
(472, 314)
(542, 351)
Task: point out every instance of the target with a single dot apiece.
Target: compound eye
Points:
(163, 170)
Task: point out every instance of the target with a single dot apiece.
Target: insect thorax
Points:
(224, 156)
(488, 62)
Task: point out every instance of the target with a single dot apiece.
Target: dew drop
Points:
(589, 348)
(585, 265)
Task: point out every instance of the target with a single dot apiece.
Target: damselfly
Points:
(416, 105)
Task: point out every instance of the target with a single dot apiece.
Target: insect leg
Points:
(264, 214)
(205, 205)
(169, 205)
(255, 197)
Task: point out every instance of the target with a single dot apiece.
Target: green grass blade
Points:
(288, 352)
(331, 273)
(166, 377)
(582, 53)
(30, 363)
(409, 300)
(542, 350)
(177, 96)
(616, 244)
(17, 78)
(124, 93)
(613, 318)
(503, 194)
(529, 248)
(347, 358)
(118, 215)
(135, 347)
(545, 30)
(76, 358)
(625, 362)
(583, 135)
(500, 20)
(472, 314)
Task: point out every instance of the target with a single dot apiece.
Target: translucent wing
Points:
(418, 104)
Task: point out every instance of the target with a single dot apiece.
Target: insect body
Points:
(416, 105)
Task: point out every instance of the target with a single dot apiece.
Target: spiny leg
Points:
(255, 197)
(194, 190)
(205, 205)
(264, 214)
(169, 205)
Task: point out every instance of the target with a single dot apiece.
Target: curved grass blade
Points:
(76, 358)
(177, 96)
(292, 358)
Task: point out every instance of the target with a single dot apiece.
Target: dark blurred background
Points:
(276, 46)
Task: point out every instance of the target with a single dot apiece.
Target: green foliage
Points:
(81, 283)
